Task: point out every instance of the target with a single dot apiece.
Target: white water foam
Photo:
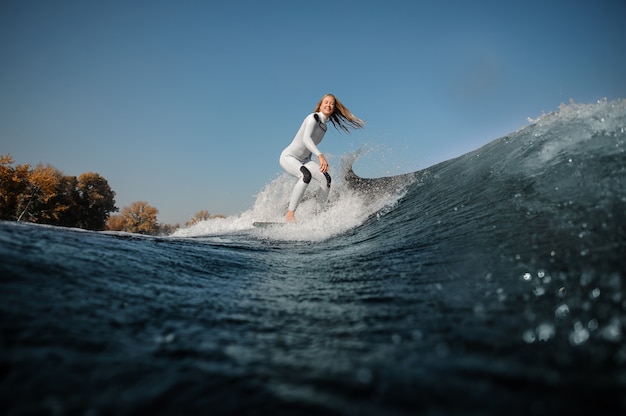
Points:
(345, 210)
(574, 123)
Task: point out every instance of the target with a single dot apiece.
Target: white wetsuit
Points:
(298, 156)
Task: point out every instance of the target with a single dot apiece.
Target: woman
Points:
(296, 158)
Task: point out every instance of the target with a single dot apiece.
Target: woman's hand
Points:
(323, 164)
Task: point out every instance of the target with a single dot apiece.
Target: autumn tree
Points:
(201, 216)
(35, 203)
(197, 217)
(167, 229)
(13, 182)
(139, 218)
(45, 195)
(116, 223)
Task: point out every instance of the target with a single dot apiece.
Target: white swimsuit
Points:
(298, 156)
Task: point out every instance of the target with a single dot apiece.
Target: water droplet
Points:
(613, 331)
(527, 277)
(562, 311)
(539, 291)
(595, 293)
(586, 278)
(545, 332)
(541, 274)
(529, 336)
(561, 292)
(579, 334)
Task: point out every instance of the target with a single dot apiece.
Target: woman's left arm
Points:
(307, 136)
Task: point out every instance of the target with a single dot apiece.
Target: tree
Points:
(45, 195)
(66, 202)
(197, 217)
(116, 223)
(35, 203)
(139, 218)
(202, 216)
(167, 229)
(13, 182)
(95, 201)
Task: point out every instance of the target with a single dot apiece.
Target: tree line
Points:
(44, 195)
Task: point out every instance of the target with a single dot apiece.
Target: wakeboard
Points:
(267, 224)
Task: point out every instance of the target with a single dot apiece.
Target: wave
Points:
(545, 205)
(352, 200)
(540, 212)
(485, 283)
(546, 156)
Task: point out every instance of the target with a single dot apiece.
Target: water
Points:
(492, 283)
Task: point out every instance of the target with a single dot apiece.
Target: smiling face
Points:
(327, 107)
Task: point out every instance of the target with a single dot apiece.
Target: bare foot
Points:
(290, 217)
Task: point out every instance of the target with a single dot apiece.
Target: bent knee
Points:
(306, 174)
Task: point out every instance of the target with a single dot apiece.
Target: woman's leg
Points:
(294, 167)
(323, 180)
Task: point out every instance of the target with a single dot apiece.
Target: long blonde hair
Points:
(342, 117)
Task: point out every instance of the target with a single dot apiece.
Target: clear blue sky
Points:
(188, 104)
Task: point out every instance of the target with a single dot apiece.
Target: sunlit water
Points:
(488, 284)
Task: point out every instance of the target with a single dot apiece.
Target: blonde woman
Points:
(296, 159)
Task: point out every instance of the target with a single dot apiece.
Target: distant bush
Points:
(139, 218)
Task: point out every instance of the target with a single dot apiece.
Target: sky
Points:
(188, 104)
